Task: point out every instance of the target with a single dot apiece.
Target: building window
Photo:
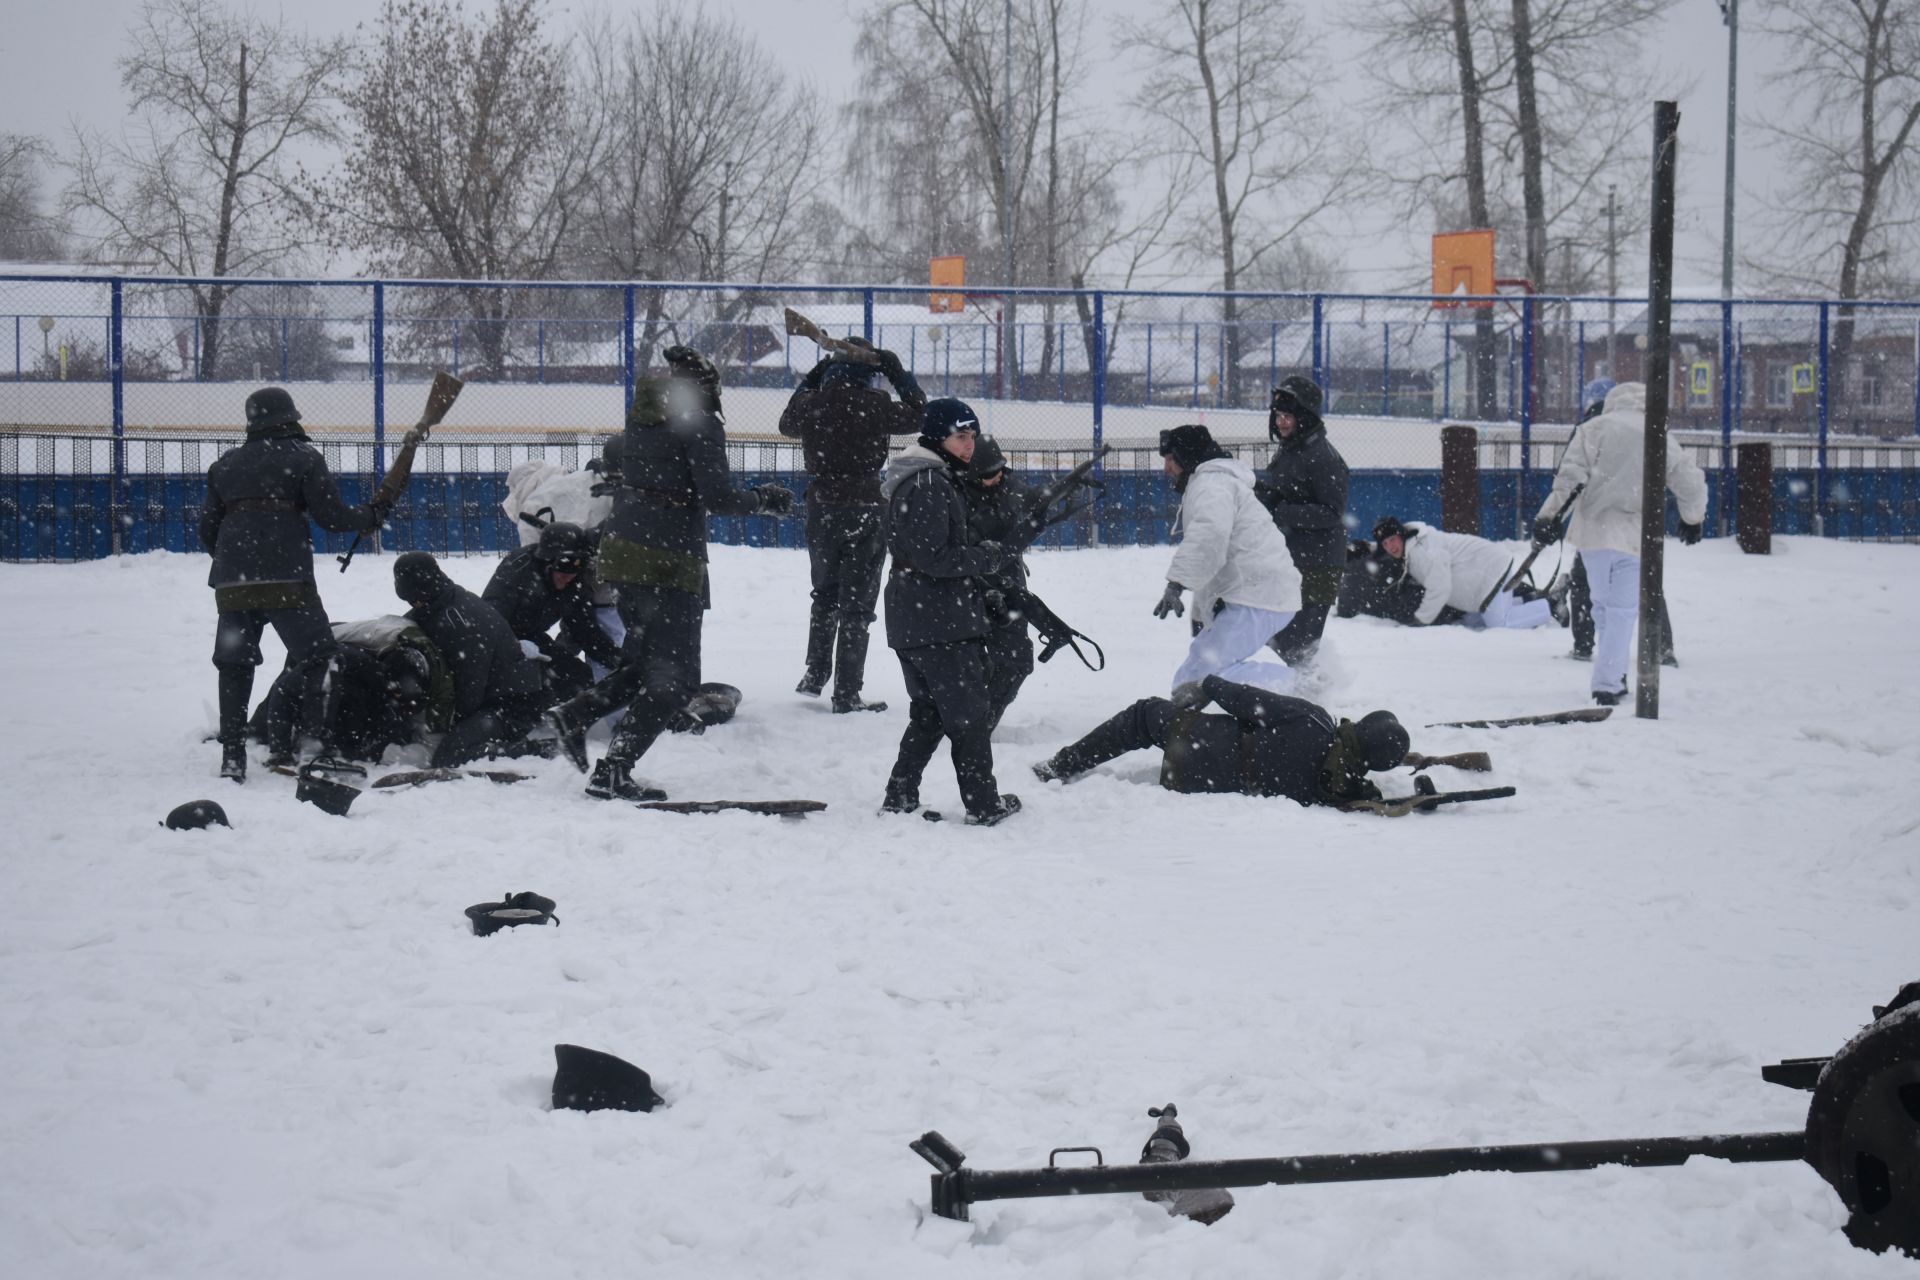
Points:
(1863, 376)
(1779, 385)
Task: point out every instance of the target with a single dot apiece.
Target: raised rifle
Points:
(798, 326)
(1041, 518)
(440, 398)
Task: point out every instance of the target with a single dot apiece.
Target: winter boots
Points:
(570, 735)
(613, 781)
(233, 761)
(844, 706)
(812, 684)
(1008, 806)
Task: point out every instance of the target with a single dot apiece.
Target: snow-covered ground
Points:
(278, 1051)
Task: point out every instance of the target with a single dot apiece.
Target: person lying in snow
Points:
(389, 688)
(1460, 571)
(1264, 744)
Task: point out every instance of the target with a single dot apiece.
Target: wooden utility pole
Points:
(1653, 476)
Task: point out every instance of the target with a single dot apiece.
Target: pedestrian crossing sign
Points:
(1803, 379)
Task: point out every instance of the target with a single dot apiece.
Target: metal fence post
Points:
(866, 314)
(117, 506)
(1728, 375)
(1916, 373)
(1386, 369)
(1319, 337)
(1820, 471)
(379, 380)
(1526, 413)
(1099, 399)
(626, 352)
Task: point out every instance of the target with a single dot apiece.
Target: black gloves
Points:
(1546, 531)
(1690, 533)
(1170, 602)
(381, 506)
(774, 500)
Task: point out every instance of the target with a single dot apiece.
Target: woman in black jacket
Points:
(1305, 487)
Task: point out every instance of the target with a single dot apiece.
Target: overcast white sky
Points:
(57, 69)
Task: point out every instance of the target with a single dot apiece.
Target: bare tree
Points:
(27, 233)
(1236, 124)
(711, 168)
(1855, 83)
(197, 183)
(467, 154)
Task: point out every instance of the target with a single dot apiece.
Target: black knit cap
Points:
(1190, 445)
(942, 417)
(1388, 527)
(418, 578)
(987, 461)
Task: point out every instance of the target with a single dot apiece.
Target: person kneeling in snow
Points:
(1245, 587)
(497, 689)
(1266, 744)
(1463, 572)
(551, 583)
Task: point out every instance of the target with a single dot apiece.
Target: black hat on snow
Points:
(1384, 739)
(1190, 445)
(1299, 396)
(270, 407)
(418, 578)
(325, 794)
(196, 815)
(513, 910)
(589, 1080)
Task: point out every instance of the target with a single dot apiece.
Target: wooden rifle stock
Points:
(440, 398)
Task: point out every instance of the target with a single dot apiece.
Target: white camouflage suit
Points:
(1461, 570)
(1606, 454)
(1232, 557)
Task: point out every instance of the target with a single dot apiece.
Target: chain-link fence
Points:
(142, 380)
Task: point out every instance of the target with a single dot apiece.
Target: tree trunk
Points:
(1532, 184)
(1052, 276)
(1223, 205)
(1485, 379)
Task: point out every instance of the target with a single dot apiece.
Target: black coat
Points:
(843, 428)
(994, 514)
(490, 670)
(933, 593)
(671, 476)
(522, 590)
(259, 500)
(1266, 744)
(1305, 487)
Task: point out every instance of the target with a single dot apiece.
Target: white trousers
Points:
(1508, 611)
(1614, 578)
(1225, 645)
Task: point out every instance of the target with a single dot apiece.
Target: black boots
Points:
(233, 761)
(572, 737)
(615, 781)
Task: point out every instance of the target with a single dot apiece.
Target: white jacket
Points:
(1455, 569)
(534, 486)
(1607, 454)
(1229, 548)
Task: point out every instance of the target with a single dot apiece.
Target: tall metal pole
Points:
(1730, 12)
(1613, 278)
(1653, 476)
(1006, 202)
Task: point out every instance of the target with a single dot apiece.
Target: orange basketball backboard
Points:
(951, 271)
(1463, 264)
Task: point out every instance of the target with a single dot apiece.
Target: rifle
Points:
(1038, 520)
(440, 398)
(801, 327)
(1513, 580)
(1057, 633)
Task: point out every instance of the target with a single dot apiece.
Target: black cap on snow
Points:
(270, 407)
(418, 578)
(325, 794)
(513, 910)
(1190, 445)
(1384, 739)
(562, 542)
(589, 1080)
(196, 815)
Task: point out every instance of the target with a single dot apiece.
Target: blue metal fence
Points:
(1070, 370)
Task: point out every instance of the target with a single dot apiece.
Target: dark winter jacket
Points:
(490, 670)
(1266, 744)
(933, 593)
(522, 590)
(1305, 487)
(672, 474)
(259, 500)
(843, 425)
(995, 514)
